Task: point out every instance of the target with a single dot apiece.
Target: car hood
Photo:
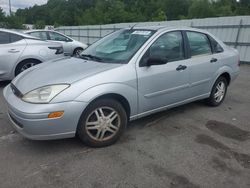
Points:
(67, 70)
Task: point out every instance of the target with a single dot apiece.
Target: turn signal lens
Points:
(55, 114)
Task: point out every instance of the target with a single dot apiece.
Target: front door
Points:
(166, 84)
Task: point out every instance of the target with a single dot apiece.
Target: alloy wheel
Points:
(26, 66)
(103, 123)
(220, 91)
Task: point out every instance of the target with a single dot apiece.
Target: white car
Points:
(71, 47)
(19, 52)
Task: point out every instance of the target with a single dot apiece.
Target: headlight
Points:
(44, 94)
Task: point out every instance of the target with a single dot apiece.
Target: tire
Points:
(217, 96)
(77, 52)
(22, 66)
(96, 129)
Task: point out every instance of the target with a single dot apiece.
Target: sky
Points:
(15, 4)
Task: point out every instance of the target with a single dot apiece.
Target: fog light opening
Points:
(55, 114)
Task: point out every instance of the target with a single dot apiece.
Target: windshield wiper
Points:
(88, 57)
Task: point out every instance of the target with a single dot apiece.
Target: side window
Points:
(215, 46)
(15, 38)
(57, 37)
(40, 35)
(4, 38)
(169, 46)
(199, 44)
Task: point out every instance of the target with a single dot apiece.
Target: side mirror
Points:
(153, 61)
(218, 50)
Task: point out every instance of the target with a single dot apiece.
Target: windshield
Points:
(119, 47)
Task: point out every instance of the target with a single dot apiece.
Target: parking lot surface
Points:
(190, 146)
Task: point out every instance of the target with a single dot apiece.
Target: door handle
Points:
(181, 67)
(213, 60)
(13, 51)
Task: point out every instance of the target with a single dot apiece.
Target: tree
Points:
(40, 24)
(84, 12)
(175, 9)
(2, 15)
(200, 9)
(243, 7)
(160, 16)
(13, 22)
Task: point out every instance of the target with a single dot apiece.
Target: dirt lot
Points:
(190, 146)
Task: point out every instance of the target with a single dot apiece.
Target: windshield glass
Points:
(118, 47)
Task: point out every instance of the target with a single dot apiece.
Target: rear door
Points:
(163, 85)
(203, 63)
(11, 48)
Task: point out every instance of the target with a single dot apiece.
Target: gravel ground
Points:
(190, 146)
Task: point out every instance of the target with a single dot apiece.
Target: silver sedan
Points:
(127, 75)
(19, 52)
(70, 46)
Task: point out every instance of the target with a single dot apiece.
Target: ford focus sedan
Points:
(126, 75)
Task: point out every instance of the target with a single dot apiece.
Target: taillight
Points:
(59, 50)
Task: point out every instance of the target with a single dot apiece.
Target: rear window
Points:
(215, 46)
(199, 44)
(15, 38)
(4, 38)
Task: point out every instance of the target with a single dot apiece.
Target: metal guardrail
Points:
(92, 33)
(112, 29)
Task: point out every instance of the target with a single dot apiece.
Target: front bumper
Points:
(31, 120)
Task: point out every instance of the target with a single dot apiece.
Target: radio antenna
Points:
(133, 26)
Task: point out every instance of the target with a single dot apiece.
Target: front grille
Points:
(16, 91)
(15, 121)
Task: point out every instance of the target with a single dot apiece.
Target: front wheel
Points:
(102, 123)
(77, 52)
(218, 92)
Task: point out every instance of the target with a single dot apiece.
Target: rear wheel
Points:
(25, 65)
(102, 123)
(218, 92)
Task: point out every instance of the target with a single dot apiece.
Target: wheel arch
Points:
(123, 93)
(227, 76)
(78, 47)
(23, 60)
(225, 71)
(118, 97)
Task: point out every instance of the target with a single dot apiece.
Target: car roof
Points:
(37, 30)
(41, 30)
(44, 30)
(168, 28)
(18, 33)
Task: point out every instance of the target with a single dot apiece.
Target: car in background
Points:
(71, 47)
(126, 75)
(19, 52)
